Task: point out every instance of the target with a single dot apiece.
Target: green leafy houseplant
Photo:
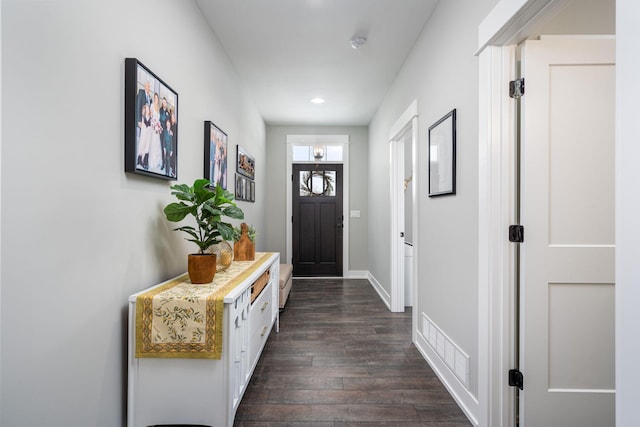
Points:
(208, 206)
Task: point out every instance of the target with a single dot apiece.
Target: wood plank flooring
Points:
(342, 359)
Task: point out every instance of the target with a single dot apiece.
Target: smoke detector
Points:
(357, 41)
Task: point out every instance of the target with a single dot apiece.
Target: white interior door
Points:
(567, 335)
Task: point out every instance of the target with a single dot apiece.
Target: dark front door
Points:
(317, 219)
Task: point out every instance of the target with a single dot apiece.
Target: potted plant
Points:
(207, 205)
(244, 248)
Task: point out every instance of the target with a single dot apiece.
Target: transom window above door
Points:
(317, 153)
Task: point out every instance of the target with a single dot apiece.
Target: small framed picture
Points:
(245, 189)
(246, 165)
(215, 154)
(150, 123)
(442, 156)
(239, 187)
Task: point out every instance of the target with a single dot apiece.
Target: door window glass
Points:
(330, 183)
(317, 183)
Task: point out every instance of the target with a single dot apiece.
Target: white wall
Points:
(442, 73)
(627, 208)
(0, 208)
(276, 137)
(583, 17)
(78, 234)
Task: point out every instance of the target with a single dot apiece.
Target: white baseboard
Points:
(463, 397)
(351, 274)
(357, 274)
(384, 296)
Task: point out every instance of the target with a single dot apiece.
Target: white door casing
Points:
(342, 140)
(496, 254)
(404, 129)
(396, 156)
(568, 137)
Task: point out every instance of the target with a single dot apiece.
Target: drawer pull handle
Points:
(265, 305)
(264, 331)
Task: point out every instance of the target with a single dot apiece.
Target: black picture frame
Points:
(442, 156)
(240, 186)
(245, 189)
(215, 154)
(150, 149)
(245, 164)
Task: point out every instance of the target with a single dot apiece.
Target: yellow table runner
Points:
(183, 320)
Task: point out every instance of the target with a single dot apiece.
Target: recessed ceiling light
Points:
(317, 100)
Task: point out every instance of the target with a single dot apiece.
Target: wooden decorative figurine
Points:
(244, 249)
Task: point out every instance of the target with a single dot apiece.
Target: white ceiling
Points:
(289, 51)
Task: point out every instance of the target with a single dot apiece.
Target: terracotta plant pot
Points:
(201, 268)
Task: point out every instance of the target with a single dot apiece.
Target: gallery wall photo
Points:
(150, 123)
(245, 175)
(442, 156)
(215, 154)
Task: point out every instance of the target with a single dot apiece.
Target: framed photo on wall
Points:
(150, 123)
(245, 189)
(240, 187)
(442, 156)
(246, 165)
(215, 154)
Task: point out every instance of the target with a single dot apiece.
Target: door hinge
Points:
(516, 233)
(516, 88)
(516, 379)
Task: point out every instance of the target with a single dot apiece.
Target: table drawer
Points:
(260, 321)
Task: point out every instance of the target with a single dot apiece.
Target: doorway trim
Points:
(341, 140)
(408, 121)
(510, 22)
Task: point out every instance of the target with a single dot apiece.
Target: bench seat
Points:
(286, 281)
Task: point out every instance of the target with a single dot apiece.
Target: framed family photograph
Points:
(150, 123)
(215, 154)
(246, 165)
(442, 156)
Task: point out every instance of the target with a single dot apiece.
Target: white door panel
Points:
(567, 196)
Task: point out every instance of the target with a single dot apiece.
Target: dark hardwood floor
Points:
(342, 359)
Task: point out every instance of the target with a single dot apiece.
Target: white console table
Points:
(205, 391)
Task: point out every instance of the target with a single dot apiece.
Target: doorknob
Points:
(402, 234)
